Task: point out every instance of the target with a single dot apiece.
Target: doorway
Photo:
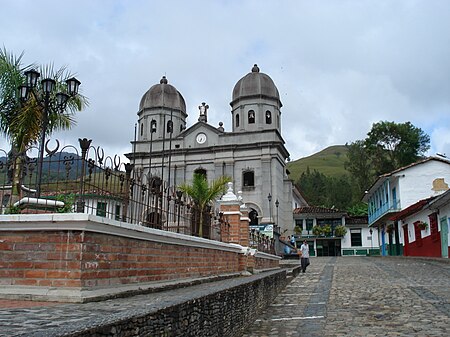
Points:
(328, 247)
(444, 237)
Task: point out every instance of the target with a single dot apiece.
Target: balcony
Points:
(385, 210)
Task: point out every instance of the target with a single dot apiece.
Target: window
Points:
(142, 129)
(5, 199)
(153, 126)
(101, 209)
(169, 127)
(434, 227)
(268, 117)
(251, 117)
(299, 223)
(237, 120)
(117, 215)
(253, 215)
(249, 179)
(418, 234)
(309, 225)
(201, 171)
(355, 237)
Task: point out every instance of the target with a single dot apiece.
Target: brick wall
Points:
(87, 259)
(88, 253)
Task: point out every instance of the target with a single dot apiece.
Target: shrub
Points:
(340, 231)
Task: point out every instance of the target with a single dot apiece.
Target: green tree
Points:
(357, 209)
(387, 147)
(322, 190)
(203, 194)
(360, 167)
(314, 185)
(393, 145)
(21, 122)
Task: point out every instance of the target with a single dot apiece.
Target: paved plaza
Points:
(362, 296)
(343, 296)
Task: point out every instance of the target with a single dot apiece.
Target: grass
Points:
(329, 161)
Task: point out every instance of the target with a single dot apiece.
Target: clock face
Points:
(201, 138)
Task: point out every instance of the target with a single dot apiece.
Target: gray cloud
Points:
(339, 66)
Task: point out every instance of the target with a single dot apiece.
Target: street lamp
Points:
(269, 197)
(277, 203)
(50, 102)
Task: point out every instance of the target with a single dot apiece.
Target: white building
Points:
(395, 191)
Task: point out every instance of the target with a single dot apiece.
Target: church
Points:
(253, 153)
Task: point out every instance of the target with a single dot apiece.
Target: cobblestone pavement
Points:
(362, 296)
(344, 296)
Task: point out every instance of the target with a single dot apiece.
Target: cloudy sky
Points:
(339, 66)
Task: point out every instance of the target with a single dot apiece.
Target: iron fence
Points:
(84, 180)
(262, 242)
(87, 181)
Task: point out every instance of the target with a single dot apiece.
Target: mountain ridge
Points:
(329, 161)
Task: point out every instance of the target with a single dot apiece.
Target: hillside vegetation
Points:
(329, 162)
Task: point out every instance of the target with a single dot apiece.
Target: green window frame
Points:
(309, 225)
(356, 237)
(101, 209)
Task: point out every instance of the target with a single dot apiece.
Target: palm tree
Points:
(203, 194)
(22, 122)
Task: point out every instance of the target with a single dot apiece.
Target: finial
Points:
(163, 80)
(255, 69)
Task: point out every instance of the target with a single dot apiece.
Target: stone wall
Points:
(226, 312)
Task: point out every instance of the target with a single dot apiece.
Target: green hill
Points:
(329, 161)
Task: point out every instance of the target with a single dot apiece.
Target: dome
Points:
(163, 95)
(255, 84)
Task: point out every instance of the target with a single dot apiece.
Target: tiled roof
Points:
(383, 177)
(357, 220)
(315, 210)
(414, 208)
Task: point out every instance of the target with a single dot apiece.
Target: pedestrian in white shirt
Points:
(304, 261)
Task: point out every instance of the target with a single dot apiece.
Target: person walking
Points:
(304, 260)
(293, 241)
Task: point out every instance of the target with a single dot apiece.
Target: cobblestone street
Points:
(343, 296)
(362, 296)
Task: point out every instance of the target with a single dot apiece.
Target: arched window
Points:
(253, 215)
(237, 120)
(169, 127)
(201, 171)
(153, 126)
(248, 179)
(251, 117)
(142, 129)
(268, 117)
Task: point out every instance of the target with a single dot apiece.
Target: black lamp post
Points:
(277, 203)
(269, 197)
(178, 201)
(50, 102)
(371, 238)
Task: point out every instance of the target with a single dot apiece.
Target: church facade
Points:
(253, 153)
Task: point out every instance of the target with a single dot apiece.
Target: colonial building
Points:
(330, 232)
(425, 227)
(252, 153)
(396, 195)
